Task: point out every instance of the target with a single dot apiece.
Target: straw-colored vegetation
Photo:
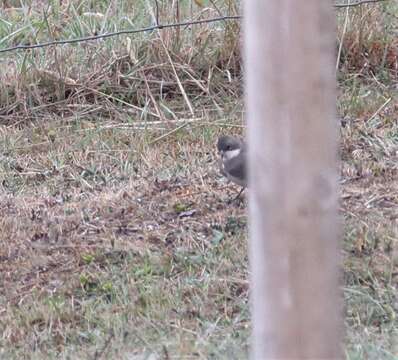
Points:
(116, 238)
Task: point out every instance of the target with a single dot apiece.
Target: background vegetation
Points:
(117, 241)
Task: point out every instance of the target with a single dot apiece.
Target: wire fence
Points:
(121, 32)
(158, 26)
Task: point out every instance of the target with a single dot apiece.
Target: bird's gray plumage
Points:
(235, 169)
(233, 159)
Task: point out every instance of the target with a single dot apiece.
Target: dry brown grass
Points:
(144, 76)
(157, 213)
(369, 42)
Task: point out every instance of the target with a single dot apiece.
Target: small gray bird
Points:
(233, 160)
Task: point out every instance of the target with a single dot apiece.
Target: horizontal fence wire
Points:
(121, 32)
(155, 27)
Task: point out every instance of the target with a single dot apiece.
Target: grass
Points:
(101, 248)
(116, 238)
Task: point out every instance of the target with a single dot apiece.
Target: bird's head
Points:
(228, 147)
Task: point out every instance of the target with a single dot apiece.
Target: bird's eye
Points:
(228, 147)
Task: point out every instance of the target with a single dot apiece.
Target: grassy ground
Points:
(116, 238)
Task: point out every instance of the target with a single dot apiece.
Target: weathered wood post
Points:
(292, 132)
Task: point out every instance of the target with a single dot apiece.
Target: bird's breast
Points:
(228, 155)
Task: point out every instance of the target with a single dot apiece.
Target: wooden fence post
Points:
(293, 191)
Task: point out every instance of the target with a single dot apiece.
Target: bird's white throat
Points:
(230, 154)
